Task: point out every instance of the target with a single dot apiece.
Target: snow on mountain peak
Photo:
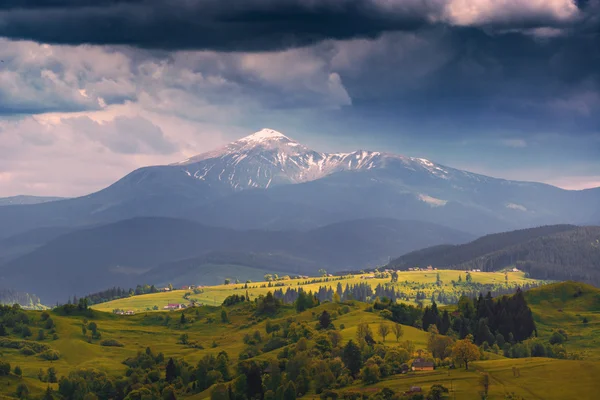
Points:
(264, 134)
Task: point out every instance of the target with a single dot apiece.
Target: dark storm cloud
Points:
(254, 25)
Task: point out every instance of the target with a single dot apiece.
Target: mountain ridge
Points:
(291, 186)
(120, 253)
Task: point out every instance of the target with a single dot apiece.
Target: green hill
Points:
(573, 307)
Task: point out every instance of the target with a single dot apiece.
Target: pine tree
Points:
(170, 371)
(352, 358)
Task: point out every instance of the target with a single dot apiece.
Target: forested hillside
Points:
(451, 256)
(559, 252)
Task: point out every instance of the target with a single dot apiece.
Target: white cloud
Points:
(484, 12)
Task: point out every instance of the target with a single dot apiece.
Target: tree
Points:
(22, 391)
(224, 317)
(370, 374)
(227, 281)
(322, 272)
(398, 331)
(182, 319)
(184, 339)
(3, 330)
(170, 286)
(352, 358)
(325, 320)
(92, 326)
(4, 368)
(49, 394)
(394, 276)
(170, 371)
(465, 351)
(469, 277)
(41, 335)
(437, 392)
(364, 333)
(18, 371)
(51, 376)
(484, 381)
(290, 392)
(384, 330)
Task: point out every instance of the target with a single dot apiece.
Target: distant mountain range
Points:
(157, 250)
(24, 200)
(560, 252)
(268, 181)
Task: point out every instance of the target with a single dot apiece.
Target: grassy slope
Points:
(214, 295)
(555, 306)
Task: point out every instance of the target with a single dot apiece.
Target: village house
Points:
(421, 365)
(129, 312)
(174, 307)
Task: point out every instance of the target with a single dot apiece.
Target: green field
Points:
(408, 282)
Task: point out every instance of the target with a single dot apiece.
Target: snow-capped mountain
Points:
(269, 181)
(267, 158)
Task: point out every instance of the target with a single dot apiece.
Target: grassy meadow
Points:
(409, 282)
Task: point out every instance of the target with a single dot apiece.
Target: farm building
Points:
(421, 365)
(174, 307)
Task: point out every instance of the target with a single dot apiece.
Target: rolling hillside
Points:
(572, 306)
(126, 339)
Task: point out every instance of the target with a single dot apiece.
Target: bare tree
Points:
(398, 331)
(384, 330)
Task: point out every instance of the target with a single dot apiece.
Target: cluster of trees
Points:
(115, 293)
(312, 357)
(14, 319)
(235, 299)
(360, 292)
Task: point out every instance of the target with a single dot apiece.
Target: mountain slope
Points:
(287, 185)
(23, 243)
(119, 254)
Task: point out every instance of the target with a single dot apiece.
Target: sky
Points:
(93, 89)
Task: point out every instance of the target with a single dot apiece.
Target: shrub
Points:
(557, 338)
(50, 355)
(111, 343)
(27, 351)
